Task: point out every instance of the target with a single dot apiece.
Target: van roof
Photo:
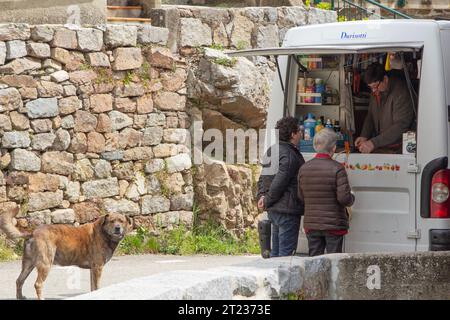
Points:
(364, 32)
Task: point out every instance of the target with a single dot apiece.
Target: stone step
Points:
(420, 9)
(125, 11)
(428, 14)
(123, 3)
(128, 20)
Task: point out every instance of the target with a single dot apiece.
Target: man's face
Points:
(378, 86)
(296, 137)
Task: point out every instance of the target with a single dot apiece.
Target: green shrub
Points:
(226, 62)
(210, 238)
(324, 6)
(299, 295)
(128, 78)
(217, 46)
(241, 45)
(85, 66)
(138, 243)
(7, 252)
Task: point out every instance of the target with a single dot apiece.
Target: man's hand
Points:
(359, 141)
(261, 203)
(366, 147)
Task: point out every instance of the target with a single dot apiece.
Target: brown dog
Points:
(89, 246)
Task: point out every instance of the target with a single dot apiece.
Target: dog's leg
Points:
(96, 273)
(27, 266)
(43, 270)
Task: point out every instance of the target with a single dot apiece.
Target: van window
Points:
(367, 99)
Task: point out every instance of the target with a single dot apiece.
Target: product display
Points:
(314, 90)
(331, 93)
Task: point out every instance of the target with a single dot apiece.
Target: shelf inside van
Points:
(309, 104)
(325, 70)
(317, 104)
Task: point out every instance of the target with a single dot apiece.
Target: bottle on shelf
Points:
(301, 127)
(337, 129)
(319, 126)
(328, 124)
(312, 63)
(319, 65)
(336, 126)
(309, 125)
(320, 88)
(301, 85)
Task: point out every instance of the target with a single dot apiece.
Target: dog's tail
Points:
(7, 224)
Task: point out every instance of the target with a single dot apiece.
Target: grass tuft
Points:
(9, 252)
(210, 238)
(226, 62)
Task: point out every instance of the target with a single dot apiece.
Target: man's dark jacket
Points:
(385, 123)
(280, 190)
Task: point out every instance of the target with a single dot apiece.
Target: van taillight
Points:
(440, 202)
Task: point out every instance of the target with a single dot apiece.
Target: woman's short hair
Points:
(375, 72)
(287, 126)
(325, 140)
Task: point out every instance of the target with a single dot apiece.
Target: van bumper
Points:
(439, 240)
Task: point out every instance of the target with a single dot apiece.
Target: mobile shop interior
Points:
(331, 92)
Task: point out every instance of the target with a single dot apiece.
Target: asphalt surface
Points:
(64, 282)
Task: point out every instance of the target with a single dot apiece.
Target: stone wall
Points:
(227, 93)
(97, 119)
(93, 120)
(234, 27)
(53, 11)
(236, 3)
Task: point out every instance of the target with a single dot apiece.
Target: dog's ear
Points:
(130, 223)
(103, 219)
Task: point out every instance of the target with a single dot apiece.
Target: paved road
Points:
(64, 282)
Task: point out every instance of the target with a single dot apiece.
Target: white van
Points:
(402, 200)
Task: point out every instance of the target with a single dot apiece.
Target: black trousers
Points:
(318, 241)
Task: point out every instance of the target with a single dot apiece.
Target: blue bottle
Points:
(310, 125)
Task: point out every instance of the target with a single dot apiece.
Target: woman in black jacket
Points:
(277, 193)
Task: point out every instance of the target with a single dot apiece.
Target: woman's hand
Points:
(261, 203)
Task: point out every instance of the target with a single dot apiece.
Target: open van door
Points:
(384, 213)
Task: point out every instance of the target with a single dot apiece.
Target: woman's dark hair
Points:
(375, 72)
(287, 126)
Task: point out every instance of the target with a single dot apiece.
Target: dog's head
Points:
(116, 225)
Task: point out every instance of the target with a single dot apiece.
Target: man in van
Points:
(390, 112)
(277, 194)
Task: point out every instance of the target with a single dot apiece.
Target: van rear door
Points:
(383, 215)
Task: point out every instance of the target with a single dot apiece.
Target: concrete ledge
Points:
(337, 276)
